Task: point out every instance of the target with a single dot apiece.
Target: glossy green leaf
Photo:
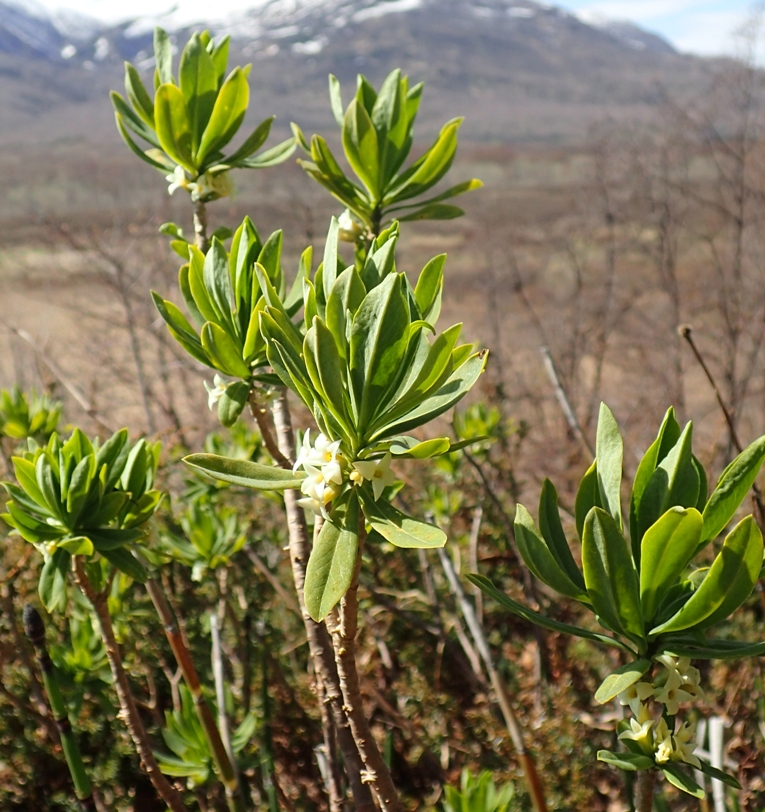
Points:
(427, 291)
(398, 528)
(460, 188)
(587, 497)
(420, 451)
(727, 584)
(173, 126)
(199, 84)
(232, 402)
(144, 156)
(227, 115)
(666, 550)
(715, 649)
(682, 780)
(629, 762)
(138, 95)
(220, 57)
(485, 585)
(336, 99)
(333, 559)
(180, 329)
(163, 55)
(552, 532)
(26, 476)
(326, 368)
(271, 157)
(433, 211)
(252, 143)
(361, 147)
(719, 775)
(52, 584)
(226, 356)
(621, 679)
(244, 472)
(108, 538)
(609, 450)
(539, 559)
(610, 575)
(732, 487)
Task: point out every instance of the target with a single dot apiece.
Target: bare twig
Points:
(563, 401)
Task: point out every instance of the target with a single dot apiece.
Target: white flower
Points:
(318, 492)
(219, 185)
(640, 732)
(663, 737)
(350, 229)
(685, 744)
(672, 693)
(635, 695)
(215, 392)
(378, 471)
(177, 180)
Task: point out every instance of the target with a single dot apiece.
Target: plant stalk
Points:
(129, 714)
(645, 784)
(319, 641)
(182, 655)
(200, 227)
(344, 641)
(35, 631)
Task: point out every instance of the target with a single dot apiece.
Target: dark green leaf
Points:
(682, 780)
(630, 762)
(398, 528)
(552, 532)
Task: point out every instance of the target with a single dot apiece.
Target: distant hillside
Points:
(518, 70)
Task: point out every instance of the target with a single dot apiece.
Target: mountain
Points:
(517, 69)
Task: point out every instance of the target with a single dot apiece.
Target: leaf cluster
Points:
(83, 498)
(478, 794)
(377, 135)
(192, 118)
(24, 415)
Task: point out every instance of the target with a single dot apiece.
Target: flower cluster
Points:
(678, 682)
(205, 187)
(328, 470)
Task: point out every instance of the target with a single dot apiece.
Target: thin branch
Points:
(563, 401)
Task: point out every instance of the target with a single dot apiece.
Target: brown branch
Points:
(344, 641)
(319, 642)
(130, 715)
(261, 418)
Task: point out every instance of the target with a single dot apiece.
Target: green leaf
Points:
(344, 299)
(420, 451)
(220, 58)
(610, 576)
(199, 85)
(217, 282)
(621, 679)
(361, 147)
(682, 780)
(326, 369)
(630, 762)
(485, 585)
(134, 147)
(180, 329)
(460, 188)
(379, 338)
(163, 55)
(173, 126)
(232, 402)
(270, 157)
(27, 478)
(252, 143)
(715, 649)
(609, 450)
(539, 559)
(77, 545)
(732, 487)
(719, 775)
(398, 528)
(552, 532)
(666, 550)
(330, 258)
(727, 584)
(333, 559)
(123, 560)
(108, 538)
(132, 121)
(336, 99)
(52, 584)
(226, 356)
(427, 291)
(587, 497)
(245, 473)
(227, 115)
(138, 95)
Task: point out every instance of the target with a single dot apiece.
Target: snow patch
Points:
(521, 12)
(389, 7)
(68, 51)
(102, 49)
(310, 48)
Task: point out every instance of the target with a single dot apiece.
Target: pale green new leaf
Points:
(621, 679)
(244, 472)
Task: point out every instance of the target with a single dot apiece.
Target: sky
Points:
(694, 26)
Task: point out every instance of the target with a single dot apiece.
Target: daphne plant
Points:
(377, 134)
(224, 297)
(655, 599)
(28, 415)
(190, 120)
(81, 498)
(369, 374)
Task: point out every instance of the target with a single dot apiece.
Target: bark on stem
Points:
(200, 227)
(646, 782)
(224, 765)
(319, 641)
(129, 713)
(344, 641)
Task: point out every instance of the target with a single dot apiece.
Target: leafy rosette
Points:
(647, 594)
(190, 120)
(83, 498)
(223, 294)
(370, 373)
(377, 134)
